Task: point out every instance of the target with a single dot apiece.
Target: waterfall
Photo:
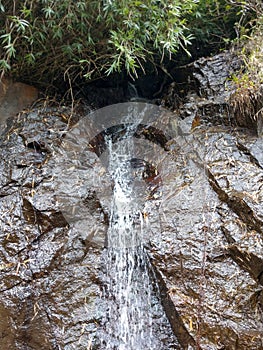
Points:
(117, 190)
(129, 292)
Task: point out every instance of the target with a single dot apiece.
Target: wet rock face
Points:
(212, 75)
(205, 89)
(207, 248)
(205, 234)
(209, 252)
(49, 276)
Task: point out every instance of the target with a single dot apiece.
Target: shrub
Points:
(247, 99)
(45, 39)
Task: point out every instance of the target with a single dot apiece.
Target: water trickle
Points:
(130, 295)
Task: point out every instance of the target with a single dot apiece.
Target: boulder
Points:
(14, 97)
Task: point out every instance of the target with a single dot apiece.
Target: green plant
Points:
(215, 24)
(247, 99)
(89, 38)
(44, 41)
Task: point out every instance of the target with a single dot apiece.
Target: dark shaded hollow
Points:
(117, 133)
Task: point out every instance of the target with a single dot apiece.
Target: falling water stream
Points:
(130, 293)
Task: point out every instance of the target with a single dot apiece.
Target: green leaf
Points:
(48, 12)
(30, 58)
(4, 65)
(2, 9)
(6, 38)
(10, 50)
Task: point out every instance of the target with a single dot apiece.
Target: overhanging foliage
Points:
(46, 40)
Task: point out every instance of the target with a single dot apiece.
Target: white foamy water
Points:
(129, 291)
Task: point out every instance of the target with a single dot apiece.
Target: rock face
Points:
(49, 276)
(205, 234)
(208, 253)
(14, 97)
(205, 88)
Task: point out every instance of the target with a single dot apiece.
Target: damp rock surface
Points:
(49, 275)
(209, 249)
(207, 241)
(205, 235)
